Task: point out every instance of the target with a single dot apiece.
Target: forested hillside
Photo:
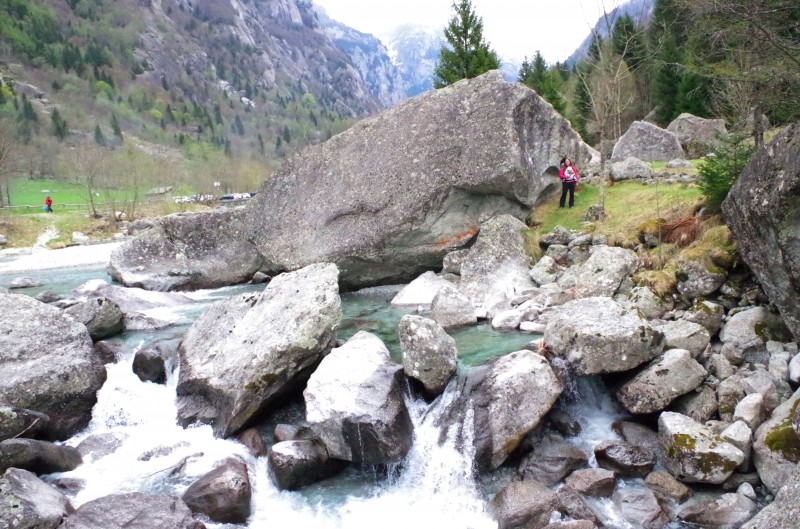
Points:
(234, 84)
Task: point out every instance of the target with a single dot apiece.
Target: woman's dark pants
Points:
(567, 186)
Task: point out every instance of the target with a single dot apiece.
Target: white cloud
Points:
(514, 28)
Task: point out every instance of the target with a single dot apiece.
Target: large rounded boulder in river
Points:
(248, 350)
(47, 364)
(763, 214)
(187, 251)
(388, 198)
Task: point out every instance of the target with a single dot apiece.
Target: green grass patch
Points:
(627, 206)
(27, 196)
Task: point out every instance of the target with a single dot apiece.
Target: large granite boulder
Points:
(682, 334)
(624, 458)
(429, 353)
(750, 330)
(30, 503)
(188, 251)
(496, 268)
(248, 350)
(693, 452)
(723, 511)
(354, 402)
(647, 142)
(297, 463)
(630, 168)
(698, 136)
(47, 364)
(421, 291)
(597, 335)
(551, 461)
(763, 216)
(508, 398)
(223, 494)
(389, 197)
(602, 272)
(640, 508)
(133, 510)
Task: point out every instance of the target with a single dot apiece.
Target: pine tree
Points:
(99, 138)
(115, 127)
(59, 124)
(546, 81)
(466, 54)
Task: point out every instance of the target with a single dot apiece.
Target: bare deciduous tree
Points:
(9, 151)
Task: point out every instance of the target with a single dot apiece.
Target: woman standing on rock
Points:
(569, 179)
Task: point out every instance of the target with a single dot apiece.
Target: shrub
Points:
(719, 171)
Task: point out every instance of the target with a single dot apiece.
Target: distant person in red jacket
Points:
(48, 204)
(569, 179)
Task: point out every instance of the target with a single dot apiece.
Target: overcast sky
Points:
(514, 28)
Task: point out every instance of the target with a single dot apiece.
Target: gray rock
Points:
(571, 524)
(39, 457)
(30, 503)
(103, 318)
(682, 334)
(783, 511)
(697, 136)
(523, 504)
(597, 335)
(223, 494)
(3, 240)
(761, 213)
(385, 200)
(429, 353)
(508, 320)
(108, 352)
(133, 510)
(729, 394)
(720, 367)
(673, 374)
(545, 271)
(707, 314)
(594, 482)
(751, 329)
(451, 264)
(552, 461)
(496, 268)
(299, 463)
(696, 280)
(666, 487)
(602, 273)
(639, 435)
(48, 297)
(354, 402)
(650, 305)
(559, 236)
(725, 511)
(630, 168)
(693, 452)
(700, 404)
(252, 439)
(740, 435)
(20, 422)
(188, 251)
(47, 364)
(558, 253)
(762, 383)
(647, 142)
(259, 278)
(100, 445)
(750, 410)
(778, 362)
(624, 458)
(421, 291)
(776, 449)
(24, 282)
(574, 505)
(149, 366)
(133, 302)
(794, 369)
(451, 308)
(640, 508)
(247, 351)
(508, 397)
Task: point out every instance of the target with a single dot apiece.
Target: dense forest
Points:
(738, 60)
